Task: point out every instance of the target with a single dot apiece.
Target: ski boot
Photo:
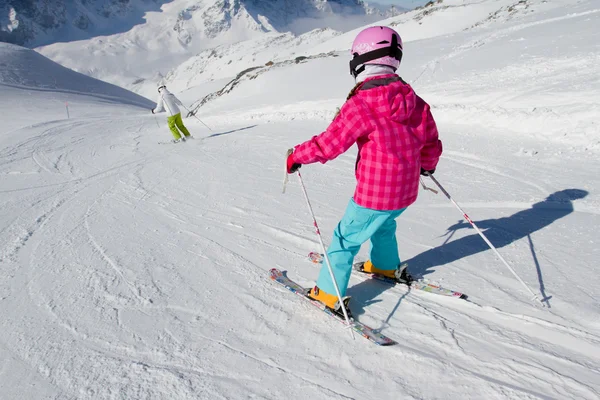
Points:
(331, 301)
(399, 274)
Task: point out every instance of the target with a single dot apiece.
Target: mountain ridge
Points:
(37, 23)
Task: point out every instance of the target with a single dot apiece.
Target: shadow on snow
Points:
(500, 231)
(228, 132)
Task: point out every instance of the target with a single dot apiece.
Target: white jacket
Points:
(167, 100)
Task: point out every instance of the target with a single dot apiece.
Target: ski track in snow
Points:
(118, 284)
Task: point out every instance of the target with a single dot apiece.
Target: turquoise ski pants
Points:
(358, 225)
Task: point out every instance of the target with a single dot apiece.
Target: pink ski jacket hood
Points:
(396, 137)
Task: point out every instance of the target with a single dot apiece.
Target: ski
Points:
(419, 284)
(182, 140)
(360, 328)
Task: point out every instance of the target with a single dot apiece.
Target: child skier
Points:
(168, 100)
(397, 139)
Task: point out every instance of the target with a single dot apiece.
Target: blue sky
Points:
(401, 3)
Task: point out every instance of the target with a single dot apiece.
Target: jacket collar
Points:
(374, 70)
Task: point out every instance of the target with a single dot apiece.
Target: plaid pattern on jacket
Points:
(396, 136)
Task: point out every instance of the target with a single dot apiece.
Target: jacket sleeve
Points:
(159, 104)
(351, 123)
(431, 152)
(177, 101)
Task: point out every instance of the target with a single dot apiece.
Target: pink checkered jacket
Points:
(396, 136)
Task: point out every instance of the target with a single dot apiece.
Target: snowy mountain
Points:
(35, 23)
(38, 23)
(141, 54)
(138, 270)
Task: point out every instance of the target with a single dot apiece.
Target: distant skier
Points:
(168, 100)
(397, 139)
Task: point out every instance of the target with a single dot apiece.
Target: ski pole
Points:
(484, 238)
(189, 112)
(156, 119)
(337, 289)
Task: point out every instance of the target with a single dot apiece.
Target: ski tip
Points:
(315, 257)
(274, 273)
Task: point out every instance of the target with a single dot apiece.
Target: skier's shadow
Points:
(500, 232)
(228, 132)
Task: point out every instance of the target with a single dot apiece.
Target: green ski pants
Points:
(176, 122)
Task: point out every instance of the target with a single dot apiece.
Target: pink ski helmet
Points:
(376, 45)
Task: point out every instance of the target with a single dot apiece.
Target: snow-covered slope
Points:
(25, 68)
(26, 75)
(130, 269)
(229, 60)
